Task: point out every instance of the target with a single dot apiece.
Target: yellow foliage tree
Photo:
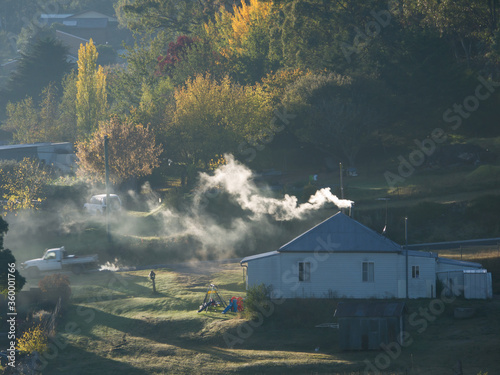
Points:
(213, 117)
(24, 186)
(22, 121)
(91, 97)
(233, 30)
(34, 339)
(245, 20)
(243, 37)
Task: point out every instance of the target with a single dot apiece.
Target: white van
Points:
(97, 204)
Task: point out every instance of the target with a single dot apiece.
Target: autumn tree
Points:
(31, 123)
(242, 36)
(91, 97)
(175, 53)
(22, 121)
(133, 151)
(24, 187)
(213, 117)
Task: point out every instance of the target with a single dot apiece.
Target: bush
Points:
(54, 287)
(34, 339)
(258, 298)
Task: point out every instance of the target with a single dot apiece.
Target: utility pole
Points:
(341, 184)
(385, 223)
(106, 163)
(406, 251)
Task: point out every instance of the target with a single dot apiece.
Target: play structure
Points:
(235, 304)
(212, 299)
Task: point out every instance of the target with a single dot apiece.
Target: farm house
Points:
(341, 257)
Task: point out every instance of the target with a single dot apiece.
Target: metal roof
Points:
(258, 256)
(29, 145)
(369, 309)
(457, 262)
(455, 244)
(341, 233)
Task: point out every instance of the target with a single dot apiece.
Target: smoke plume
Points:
(236, 179)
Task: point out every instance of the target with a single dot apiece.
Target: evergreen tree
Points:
(6, 261)
(44, 62)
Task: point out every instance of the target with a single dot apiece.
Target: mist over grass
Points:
(226, 215)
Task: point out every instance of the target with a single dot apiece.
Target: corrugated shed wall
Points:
(360, 333)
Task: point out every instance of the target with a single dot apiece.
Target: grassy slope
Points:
(124, 329)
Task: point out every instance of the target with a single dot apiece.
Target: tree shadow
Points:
(63, 362)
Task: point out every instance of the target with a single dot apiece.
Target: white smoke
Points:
(236, 180)
(231, 231)
(113, 266)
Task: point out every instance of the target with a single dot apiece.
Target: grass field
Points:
(115, 325)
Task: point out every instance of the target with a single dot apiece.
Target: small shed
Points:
(367, 325)
(470, 284)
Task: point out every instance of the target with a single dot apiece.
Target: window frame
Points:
(304, 269)
(365, 272)
(415, 272)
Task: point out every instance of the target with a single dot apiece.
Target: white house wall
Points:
(340, 275)
(423, 286)
(333, 275)
(264, 271)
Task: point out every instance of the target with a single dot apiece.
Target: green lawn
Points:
(115, 325)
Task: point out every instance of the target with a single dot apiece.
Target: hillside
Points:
(122, 328)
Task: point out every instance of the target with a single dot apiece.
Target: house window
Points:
(415, 272)
(304, 271)
(368, 272)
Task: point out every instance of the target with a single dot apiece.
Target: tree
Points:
(171, 16)
(22, 121)
(133, 151)
(242, 36)
(213, 117)
(30, 123)
(176, 52)
(126, 85)
(24, 187)
(466, 25)
(91, 97)
(44, 62)
(6, 262)
(67, 122)
(332, 113)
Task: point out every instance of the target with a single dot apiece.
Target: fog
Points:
(228, 216)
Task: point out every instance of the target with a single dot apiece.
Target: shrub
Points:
(34, 339)
(54, 287)
(258, 298)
